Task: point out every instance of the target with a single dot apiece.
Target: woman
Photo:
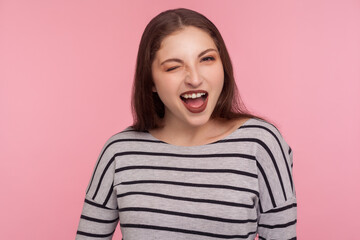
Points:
(195, 164)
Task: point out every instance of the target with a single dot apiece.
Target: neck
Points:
(185, 135)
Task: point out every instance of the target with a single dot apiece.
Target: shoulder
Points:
(265, 135)
(262, 130)
(272, 150)
(125, 138)
(125, 133)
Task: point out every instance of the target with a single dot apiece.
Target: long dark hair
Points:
(147, 108)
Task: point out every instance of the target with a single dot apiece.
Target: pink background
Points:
(66, 69)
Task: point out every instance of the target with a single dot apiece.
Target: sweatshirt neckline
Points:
(199, 146)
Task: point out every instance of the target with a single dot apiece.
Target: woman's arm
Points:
(100, 214)
(277, 210)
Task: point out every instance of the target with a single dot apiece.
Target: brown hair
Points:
(146, 105)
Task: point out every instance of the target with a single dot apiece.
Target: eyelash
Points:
(173, 68)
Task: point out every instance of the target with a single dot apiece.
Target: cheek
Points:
(216, 71)
(165, 89)
(166, 83)
(158, 82)
(218, 78)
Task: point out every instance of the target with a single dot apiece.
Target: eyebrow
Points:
(181, 61)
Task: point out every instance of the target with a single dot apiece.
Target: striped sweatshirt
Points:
(234, 188)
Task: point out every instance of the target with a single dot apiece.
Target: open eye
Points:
(211, 58)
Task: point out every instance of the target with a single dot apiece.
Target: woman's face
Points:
(188, 77)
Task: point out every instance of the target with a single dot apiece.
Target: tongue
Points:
(195, 103)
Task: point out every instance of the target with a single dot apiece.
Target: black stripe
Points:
(98, 220)
(191, 185)
(189, 215)
(188, 199)
(261, 209)
(262, 238)
(282, 208)
(220, 155)
(188, 170)
(95, 235)
(109, 194)
(102, 176)
(135, 140)
(266, 183)
(185, 231)
(278, 225)
(97, 205)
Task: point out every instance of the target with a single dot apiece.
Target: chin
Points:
(198, 121)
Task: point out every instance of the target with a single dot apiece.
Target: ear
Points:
(154, 89)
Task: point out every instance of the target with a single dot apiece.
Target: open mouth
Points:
(195, 102)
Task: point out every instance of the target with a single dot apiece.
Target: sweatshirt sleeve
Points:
(277, 208)
(100, 215)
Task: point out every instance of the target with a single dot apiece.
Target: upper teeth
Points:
(194, 95)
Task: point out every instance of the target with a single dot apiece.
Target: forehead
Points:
(190, 40)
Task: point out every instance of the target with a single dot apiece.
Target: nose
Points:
(193, 78)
